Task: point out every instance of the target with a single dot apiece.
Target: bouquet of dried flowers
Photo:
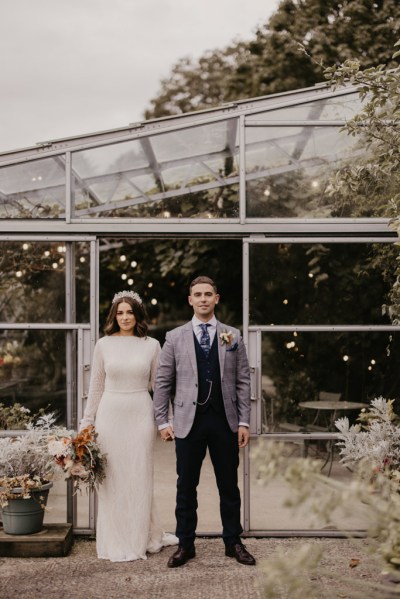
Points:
(34, 458)
(79, 456)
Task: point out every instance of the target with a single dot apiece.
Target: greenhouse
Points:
(244, 193)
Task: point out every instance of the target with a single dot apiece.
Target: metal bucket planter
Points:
(25, 516)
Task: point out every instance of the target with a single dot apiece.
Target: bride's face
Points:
(126, 319)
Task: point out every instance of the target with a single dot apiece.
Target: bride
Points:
(124, 364)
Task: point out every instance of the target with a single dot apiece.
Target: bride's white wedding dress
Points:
(121, 408)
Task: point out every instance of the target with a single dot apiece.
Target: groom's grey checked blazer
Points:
(178, 369)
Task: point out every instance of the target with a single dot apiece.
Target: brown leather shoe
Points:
(181, 556)
(240, 553)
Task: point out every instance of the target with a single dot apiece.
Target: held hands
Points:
(167, 434)
(243, 436)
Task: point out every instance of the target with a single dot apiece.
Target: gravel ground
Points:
(210, 575)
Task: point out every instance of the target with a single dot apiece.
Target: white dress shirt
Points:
(212, 328)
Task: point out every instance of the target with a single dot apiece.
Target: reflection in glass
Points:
(186, 173)
(299, 366)
(33, 189)
(320, 283)
(32, 370)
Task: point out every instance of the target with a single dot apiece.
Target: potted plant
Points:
(30, 461)
(26, 472)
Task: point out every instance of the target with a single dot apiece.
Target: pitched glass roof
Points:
(234, 162)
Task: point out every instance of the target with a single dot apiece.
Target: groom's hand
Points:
(243, 436)
(167, 434)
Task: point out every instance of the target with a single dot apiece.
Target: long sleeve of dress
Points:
(96, 388)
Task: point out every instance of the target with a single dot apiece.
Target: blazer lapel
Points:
(189, 342)
(221, 348)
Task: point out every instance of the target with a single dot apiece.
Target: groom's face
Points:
(203, 300)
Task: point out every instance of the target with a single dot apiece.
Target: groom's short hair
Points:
(202, 279)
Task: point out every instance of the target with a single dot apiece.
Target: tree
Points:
(332, 31)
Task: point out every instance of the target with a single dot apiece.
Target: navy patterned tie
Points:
(205, 339)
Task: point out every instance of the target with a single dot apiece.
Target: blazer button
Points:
(194, 403)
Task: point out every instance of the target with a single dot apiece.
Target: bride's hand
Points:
(167, 434)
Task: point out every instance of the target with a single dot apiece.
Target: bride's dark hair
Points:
(141, 326)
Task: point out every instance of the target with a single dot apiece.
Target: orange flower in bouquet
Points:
(80, 457)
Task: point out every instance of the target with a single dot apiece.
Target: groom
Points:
(204, 364)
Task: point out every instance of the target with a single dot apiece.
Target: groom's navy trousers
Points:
(210, 430)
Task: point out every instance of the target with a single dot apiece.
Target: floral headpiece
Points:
(135, 296)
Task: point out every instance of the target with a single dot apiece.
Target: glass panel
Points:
(268, 510)
(82, 281)
(32, 370)
(337, 108)
(288, 170)
(195, 141)
(186, 173)
(319, 283)
(33, 189)
(32, 282)
(160, 270)
(56, 509)
(300, 367)
(82, 510)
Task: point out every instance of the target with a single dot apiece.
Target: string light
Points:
(122, 258)
(133, 263)
(267, 192)
(153, 301)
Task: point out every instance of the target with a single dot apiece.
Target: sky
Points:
(69, 67)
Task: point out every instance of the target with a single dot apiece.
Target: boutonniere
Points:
(226, 337)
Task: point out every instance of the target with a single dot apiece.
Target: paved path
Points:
(210, 575)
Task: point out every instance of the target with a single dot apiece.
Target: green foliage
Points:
(330, 31)
(302, 573)
(370, 187)
(17, 417)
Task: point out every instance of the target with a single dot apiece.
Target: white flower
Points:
(57, 447)
(226, 337)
